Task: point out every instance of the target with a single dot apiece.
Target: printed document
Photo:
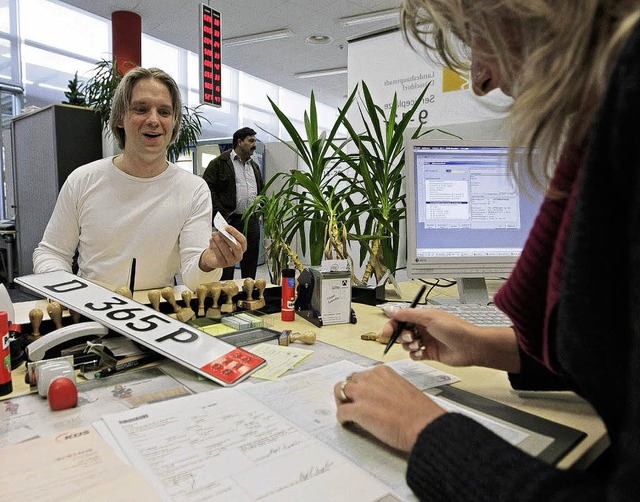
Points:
(226, 445)
(74, 465)
(269, 441)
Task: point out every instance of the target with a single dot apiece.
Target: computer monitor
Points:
(467, 218)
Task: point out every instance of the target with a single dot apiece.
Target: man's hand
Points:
(221, 251)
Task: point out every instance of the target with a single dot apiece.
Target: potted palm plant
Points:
(280, 228)
(377, 192)
(316, 204)
(343, 197)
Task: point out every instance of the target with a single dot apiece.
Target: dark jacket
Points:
(221, 178)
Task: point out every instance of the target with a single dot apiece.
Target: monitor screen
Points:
(467, 217)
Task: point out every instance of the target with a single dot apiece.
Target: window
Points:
(9, 53)
(43, 43)
(63, 28)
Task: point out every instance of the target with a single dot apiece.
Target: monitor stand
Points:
(470, 290)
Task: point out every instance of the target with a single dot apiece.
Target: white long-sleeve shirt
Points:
(110, 217)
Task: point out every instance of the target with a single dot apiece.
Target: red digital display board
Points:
(210, 56)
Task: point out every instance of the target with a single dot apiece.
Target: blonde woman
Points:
(573, 70)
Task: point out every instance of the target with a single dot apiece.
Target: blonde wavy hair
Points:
(559, 66)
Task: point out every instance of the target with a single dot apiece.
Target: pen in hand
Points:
(401, 325)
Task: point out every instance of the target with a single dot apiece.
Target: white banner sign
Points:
(388, 65)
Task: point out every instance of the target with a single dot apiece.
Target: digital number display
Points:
(210, 56)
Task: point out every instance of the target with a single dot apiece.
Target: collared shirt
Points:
(246, 184)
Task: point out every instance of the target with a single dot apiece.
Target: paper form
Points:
(422, 375)
(324, 353)
(27, 417)
(256, 442)
(226, 445)
(280, 359)
(74, 465)
(306, 398)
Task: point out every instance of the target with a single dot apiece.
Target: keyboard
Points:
(480, 315)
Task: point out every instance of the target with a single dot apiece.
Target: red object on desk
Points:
(233, 365)
(287, 310)
(6, 387)
(62, 394)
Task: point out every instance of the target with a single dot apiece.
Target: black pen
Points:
(401, 325)
(132, 363)
(132, 277)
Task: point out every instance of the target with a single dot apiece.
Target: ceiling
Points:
(275, 61)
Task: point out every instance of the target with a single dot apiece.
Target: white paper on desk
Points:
(280, 359)
(75, 465)
(225, 444)
(422, 375)
(6, 304)
(306, 398)
(27, 417)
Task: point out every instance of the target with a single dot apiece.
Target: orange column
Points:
(126, 36)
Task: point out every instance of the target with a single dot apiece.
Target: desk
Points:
(564, 408)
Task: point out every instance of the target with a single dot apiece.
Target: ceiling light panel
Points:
(257, 38)
(372, 17)
(321, 73)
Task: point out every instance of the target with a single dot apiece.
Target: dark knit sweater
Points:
(530, 295)
(593, 335)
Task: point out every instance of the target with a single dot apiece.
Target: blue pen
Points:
(401, 325)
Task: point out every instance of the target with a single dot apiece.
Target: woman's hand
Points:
(386, 405)
(221, 251)
(433, 334)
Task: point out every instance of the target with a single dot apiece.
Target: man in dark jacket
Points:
(235, 180)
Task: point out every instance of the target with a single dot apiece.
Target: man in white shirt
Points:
(138, 205)
(235, 180)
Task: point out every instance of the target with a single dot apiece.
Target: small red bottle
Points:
(6, 387)
(287, 310)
